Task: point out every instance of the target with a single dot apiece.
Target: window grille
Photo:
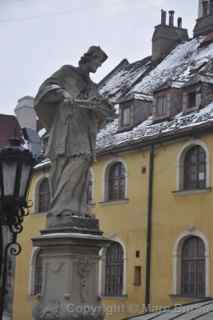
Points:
(114, 270)
(38, 276)
(44, 196)
(193, 268)
(116, 182)
(195, 169)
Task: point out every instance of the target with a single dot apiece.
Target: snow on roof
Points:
(137, 96)
(109, 137)
(123, 78)
(202, 310)
(187, 63)
(142, 77)
(180, 65)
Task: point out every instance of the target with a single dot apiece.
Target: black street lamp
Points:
(16, 166)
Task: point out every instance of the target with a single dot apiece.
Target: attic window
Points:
(126, 117)
(161, 106)
(191, 100)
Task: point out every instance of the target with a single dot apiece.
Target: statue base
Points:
(68, 273)
(72, 223)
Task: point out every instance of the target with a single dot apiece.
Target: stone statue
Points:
(71, 109)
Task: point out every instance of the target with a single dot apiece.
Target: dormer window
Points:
(126, 117)
(191, 100)
(134, 109)
(162, 107)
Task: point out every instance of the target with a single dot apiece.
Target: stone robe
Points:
(72, 138)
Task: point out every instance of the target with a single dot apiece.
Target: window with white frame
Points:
(193, 269)
(194, 168)
(116, 182)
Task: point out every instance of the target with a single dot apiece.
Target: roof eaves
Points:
(157, 139)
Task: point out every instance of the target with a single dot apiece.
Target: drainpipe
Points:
(149, 227)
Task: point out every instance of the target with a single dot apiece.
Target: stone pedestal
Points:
(69, 286)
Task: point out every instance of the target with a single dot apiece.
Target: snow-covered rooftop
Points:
(202, 311)
(180, 66)
(109, 137)
(123, 78)
(188, 63)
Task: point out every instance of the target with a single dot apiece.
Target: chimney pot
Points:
(180, 23)
(171, 18)
(163, 17)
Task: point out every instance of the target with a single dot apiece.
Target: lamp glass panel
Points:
(0, 183)
(9, 177)
(24, 179)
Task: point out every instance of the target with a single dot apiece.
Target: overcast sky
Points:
(38, 36)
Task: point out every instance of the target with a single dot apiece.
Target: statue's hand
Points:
(66, 96)
(97, 100)
(103, 106)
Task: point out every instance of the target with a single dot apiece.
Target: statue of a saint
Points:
(71, 109)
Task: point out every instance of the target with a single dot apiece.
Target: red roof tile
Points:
(9, 128)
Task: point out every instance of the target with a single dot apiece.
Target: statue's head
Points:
(93, 58)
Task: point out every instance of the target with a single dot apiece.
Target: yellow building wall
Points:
(22, 305)
(173, 215)
(126, 221)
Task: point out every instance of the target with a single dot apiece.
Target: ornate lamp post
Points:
(15, 172)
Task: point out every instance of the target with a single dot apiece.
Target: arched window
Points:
(193, 268)
(116, 182)
(36, 272)
(44, 196)
(195, 168)
(114, 270)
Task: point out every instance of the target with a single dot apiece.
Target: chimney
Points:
(163, 17)
(171, 18)
(211, 7)
(204, 23)
(205, 8)
(25, 113)
(166, 37)
(180, 23)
